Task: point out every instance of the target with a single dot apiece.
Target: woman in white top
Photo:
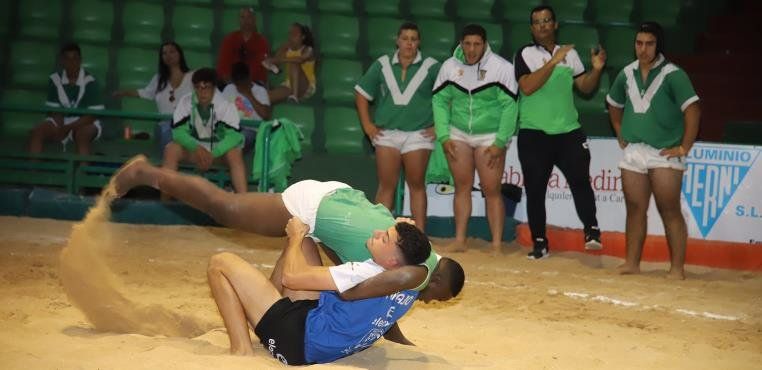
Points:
(166, 87)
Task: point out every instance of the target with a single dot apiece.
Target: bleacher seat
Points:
(382, 35)
(438, 39)
(569, 11)
(596, 102)
(583, 38)
(193, 27)
(280, 23)
(421, 9)
(517, 11)
(343, 132)
(474, 10)
(199, 59)
(297, 5)
(494, 35)
(18, 124)
(5, 20)
(96, 61)
(194, 2)
(665, 12)
(338, 36)
(40, 19)
(91, 20)
(303, 116)
(135, 67)
(256, 4)
(336, 6)
(390, 8)
(338, 78)
(31, 63)
(612, 12)
(619, 43)
(142, 23)
(139, 105)
(520, 35)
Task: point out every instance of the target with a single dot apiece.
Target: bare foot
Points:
(676, 274)
(245, 351)
(627, 269)
(455, 247)
(496, 250)
(129, 176)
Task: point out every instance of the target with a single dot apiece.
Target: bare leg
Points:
(490, 184)
(388, 162)
(312, 255)
(666, 184)
(44, 131)
(173, 154)
(83, 137)
(279, 94)
(261, 213)
(234, 158)
(300, 83)
(637, 195)
(462, 168)
(415, 163)
(243, 294)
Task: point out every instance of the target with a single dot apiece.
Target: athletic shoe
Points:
(593, 239)
(540, 249)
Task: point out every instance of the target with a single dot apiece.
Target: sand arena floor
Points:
(565, 312)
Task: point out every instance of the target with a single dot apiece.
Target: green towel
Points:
(438, 171)
(285, 148)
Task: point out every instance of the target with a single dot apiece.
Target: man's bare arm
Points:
(297, 274)
(388, 282)
(394, 334)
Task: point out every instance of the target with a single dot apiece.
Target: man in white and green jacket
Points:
(475, 113)
(206, 127)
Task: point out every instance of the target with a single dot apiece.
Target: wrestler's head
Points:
(445, 283)
(399, 245)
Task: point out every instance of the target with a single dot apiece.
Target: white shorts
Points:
(476, 140)
(69, 121)
(404, 141)
(640, 157)
(303, 199)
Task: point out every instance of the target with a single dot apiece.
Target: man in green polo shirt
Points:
(401, 128)
(549, 129)
(655, 113)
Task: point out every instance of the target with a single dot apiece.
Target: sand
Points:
(569, 311)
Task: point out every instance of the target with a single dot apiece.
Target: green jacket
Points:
(285, 148)
(476, 99)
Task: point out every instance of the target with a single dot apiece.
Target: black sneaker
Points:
(540, 249)
(593, 239)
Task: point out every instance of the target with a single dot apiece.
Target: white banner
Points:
(721, 195)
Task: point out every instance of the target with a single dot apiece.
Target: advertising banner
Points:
(721, 194)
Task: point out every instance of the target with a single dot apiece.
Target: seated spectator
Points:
(72, 87)
(205, 127)
(299, 58)
(166, 88)
(249, 98)
(245, 45)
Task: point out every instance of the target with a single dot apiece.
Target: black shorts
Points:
(281, 330)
